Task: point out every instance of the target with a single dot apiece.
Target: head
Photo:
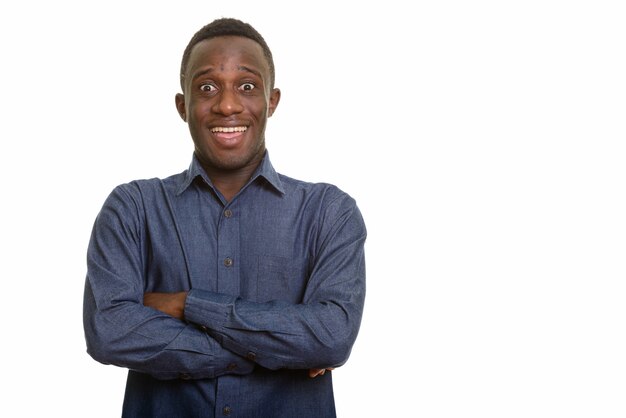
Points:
(227, 80)
(227, 27)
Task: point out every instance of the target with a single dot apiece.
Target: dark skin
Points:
(226, 101)
(227, 87)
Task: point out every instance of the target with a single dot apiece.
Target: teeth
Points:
(230, 129)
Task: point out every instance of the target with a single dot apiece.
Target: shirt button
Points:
(231, 366)
(228, 213)
(184, 376)
(228, 262)
(226, 411)
(251, 356)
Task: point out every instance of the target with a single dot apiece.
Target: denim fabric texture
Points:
(276, 281)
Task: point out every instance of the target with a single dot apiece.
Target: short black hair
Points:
(227, 27)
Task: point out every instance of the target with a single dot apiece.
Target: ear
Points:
(274, 99)
(180, 106)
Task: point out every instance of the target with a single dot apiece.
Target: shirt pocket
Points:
(280, 278)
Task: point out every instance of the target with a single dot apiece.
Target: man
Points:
(228, 289)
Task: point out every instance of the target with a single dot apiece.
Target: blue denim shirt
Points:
(276, 281)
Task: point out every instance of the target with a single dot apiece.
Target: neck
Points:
(230, 182)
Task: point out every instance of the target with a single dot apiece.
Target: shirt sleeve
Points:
(317, 333)
(119, 329)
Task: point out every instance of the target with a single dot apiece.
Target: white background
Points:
(483, 141)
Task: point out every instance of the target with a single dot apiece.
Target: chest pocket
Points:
(280, 278)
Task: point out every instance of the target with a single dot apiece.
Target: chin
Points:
(227, 162)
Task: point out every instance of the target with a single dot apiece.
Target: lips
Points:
(228, 135)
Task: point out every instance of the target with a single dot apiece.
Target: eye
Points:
(247, 87)
(209, 88)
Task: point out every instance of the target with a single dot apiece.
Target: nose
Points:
(227, 103)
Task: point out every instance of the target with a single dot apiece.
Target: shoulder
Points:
(142, 189)
(333, 213)
(329, 201)
(323, 192)
(136, 196)
(134, 190)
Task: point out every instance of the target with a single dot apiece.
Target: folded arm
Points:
(119, 329)
(316, 334)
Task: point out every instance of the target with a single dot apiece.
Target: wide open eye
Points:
(209, 88)
(247, 87)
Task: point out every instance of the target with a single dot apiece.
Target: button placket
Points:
(228, 250)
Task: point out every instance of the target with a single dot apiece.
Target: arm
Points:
(119, 329)
(173, 304)
(316, 334)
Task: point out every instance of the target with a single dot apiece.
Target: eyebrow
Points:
(201, 73)
(239, 68)
(250, 70)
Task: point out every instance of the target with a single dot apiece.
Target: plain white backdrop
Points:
(484, 142)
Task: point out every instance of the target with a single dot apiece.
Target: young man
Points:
(227, 289)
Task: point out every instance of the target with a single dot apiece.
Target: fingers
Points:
(319, 372)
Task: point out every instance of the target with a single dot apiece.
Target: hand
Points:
(319, 372)
(172, 304)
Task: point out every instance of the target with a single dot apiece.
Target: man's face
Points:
(227, 100)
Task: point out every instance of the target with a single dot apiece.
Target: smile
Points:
(229, 129)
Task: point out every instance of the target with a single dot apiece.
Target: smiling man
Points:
(227, 289)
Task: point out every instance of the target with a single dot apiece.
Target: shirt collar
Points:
(265, 170)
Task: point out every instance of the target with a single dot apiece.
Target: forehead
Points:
(227, 52)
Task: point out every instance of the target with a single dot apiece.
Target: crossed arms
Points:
(201, 334)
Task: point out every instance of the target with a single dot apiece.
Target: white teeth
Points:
(230, 129)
